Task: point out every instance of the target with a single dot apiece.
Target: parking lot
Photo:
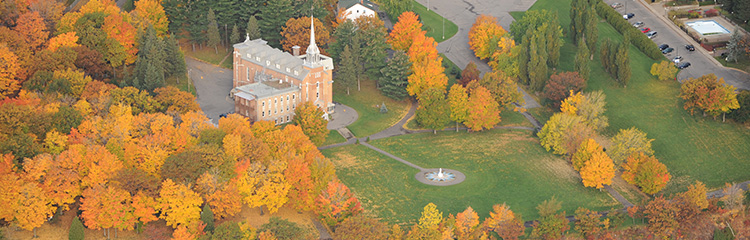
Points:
(701, 62)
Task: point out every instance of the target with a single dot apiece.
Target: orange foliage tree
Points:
(98, 165)
(484, 35)
(310, 118)
(297, 174)
(645, 172)
(107, 207)
(296, 32)
(484, 112)
(404, 31)
(10, 187)
(223, 197)
(68, 39)
(708, 94)
(33, 29)
(467, 224)
(427, 68)
(178, 204)
(598, 170)
(504, 222)
(172, 99)
(336, 203)
(119, 29)
(9, 67)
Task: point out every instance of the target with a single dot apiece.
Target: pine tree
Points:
(76, 230)
(582, 60)
(342, 35)
(356, 49)
(175, 59)
(207, 216)
(735, 46)
(235, 36)
(213, 31)
(273, 16)
(395, 74)
(252, 30)
(196, 21)
(149, 67)
(347, 71)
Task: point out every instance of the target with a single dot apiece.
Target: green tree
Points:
(310, 118)
(372, 34)
(235, 36)
(253, 29)
(663, 70)
(284, 229)
(207, 216)
(531, 21)
(433, 111)
(347, 69)
(622, 62)
(627, 142)
(458, 98)
(582, 61)
(149, 68)
(342, 35)
(76, 230)
(553, 37)
(736, 50)
(552, 224)
(175, 59)
(591, 32)
(563, 133)
(537, 62)
(273, 16)
(523, 60)
(212, 32)
(395, 76)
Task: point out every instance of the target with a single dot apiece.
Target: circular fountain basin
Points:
(440, 177)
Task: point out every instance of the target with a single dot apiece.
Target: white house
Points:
(357, 8)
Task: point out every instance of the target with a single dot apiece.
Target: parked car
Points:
(663, 46)
(638, 24)
(651, 34)
(677, 59)
(616, 5)
(628, 16)
(690, 47)
(683, 65)
(645, 30)
(668, 50)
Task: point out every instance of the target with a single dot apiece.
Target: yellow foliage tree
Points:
(431, 217)
(484, 35)
(153, 12)
(598, 171)
(68, 39)
(663, 70)
(696, 194)
(55, 142)
(33, 207)
(179, 205)
(8, 69)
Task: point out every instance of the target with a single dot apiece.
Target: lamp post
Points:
(443, 28)
(188, 80)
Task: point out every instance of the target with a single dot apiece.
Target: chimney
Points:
(295, 51)
(362, 2)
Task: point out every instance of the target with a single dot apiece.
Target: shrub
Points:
(742, 114)
(76, 230)
(284, 229)
(207, 216)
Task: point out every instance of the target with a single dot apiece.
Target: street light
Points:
(443, 28)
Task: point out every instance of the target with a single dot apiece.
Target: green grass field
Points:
(501, 166)
(692, 147)
(433, 23)
(333, 138)
(367, 103)
(208, 54)
(742, 64)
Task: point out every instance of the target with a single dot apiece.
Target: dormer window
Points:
(296, 73)
(268, 63)
(249, 56)
(257, 58)
(278, 66)
(287, 69)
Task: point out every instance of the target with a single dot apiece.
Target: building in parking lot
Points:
(709, 32)
(268, 83)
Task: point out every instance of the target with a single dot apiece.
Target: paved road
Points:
(213, 85)
(463, 13)
(653, 15)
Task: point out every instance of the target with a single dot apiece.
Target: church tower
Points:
(313, 53)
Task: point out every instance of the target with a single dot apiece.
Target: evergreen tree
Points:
(252, 30)
(347, 70)
(342, 35)
(248, 10)
(356, 54)
(207, 216)
(76, 230)
(537, 62)
(213, 31)
(273, 16)
(735, 45)
(149, 67)
(374, 46)
(235, 36)
(622, 63)
(554, 42)
(196, 21)
(175, 59)
(395, 74)
(591, 33)
(523, 59)
(582, 60)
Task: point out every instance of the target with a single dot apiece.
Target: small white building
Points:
(357, 8)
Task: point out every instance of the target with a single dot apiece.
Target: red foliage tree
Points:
(560, 86)
(336, 203)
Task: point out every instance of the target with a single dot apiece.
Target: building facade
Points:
(268, 83)
(357, 8)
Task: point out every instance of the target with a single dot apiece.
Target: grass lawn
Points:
(333, 138)
(692, 147)
(743, 64)
(501, 166)
(508, 117)
(208, 54)
(181, 82)
(433, 23)
(367, 103)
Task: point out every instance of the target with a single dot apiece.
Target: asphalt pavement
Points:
(654, 17)
(213, 85)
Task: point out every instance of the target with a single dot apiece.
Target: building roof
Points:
(264, 89)
(257, 51)
(346, 4)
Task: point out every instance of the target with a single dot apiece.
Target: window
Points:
(287, 107)
(274, 101)
(296, 73)
(317, 74)
(287, 97)
(247, 73)
(317, 95)
(287, 69)
(278, 66)
(292, 96)
(262, 114)
(268, 63)
(269, 112)
(287, 118)
(263, 104)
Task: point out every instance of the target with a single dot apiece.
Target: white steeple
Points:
(313, 53)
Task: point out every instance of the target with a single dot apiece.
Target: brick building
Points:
(269, 83)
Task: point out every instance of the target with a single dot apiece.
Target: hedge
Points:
(637, 38)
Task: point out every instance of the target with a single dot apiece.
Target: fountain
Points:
(440, 176)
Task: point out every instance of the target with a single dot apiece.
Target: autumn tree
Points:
(32, 208)
(178, 204)
(361, 227)
(696, 195)
(395, 75)
(336, 203)
(663, 70)
(502, 87)
(563, 133)
(504, 222)
(32, 28)
(597, 171)
(8, 69)
(431, 217)
(662, 217)
(120, 30)
(470, 73)
(10, 187)
(433, 110)
(467, 224)
(296, 32)
(552, 224)
(560, 85)
(153, 11)
(427, 69)
(590, 106)
(458, 98)
(505, 56)
(589, 223)
(107, 207)
(484, 112)
(484, 35)
(310, 118)
(645, 172)
(261, 186)
(628, 142)
(68, 39)
(708, 94)
(404, 31)
(172, 99)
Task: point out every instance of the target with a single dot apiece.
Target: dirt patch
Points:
(345, 160)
